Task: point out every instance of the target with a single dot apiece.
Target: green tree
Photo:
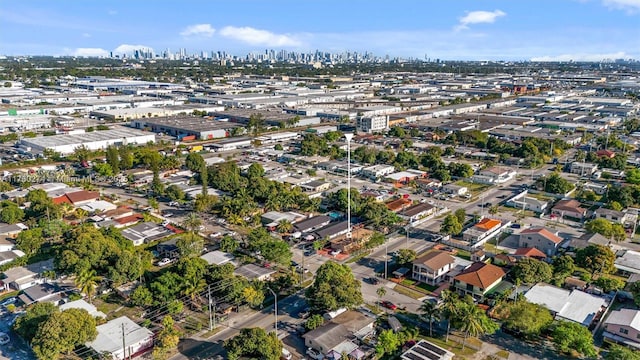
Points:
(556, 184)
(141, 296)
(608, 284)
(633, 176)
(381, 291)
(195, 162)
(606, 228)
(634, 288)
(126, 157)
(254, 343)
(526, 317)
(450, 308)
(388, 343)
(10, 213)
(153, 203)
(563, 266)
(430, 312)
(228, 244)
(569, 336)
(617, 352)
(532, 271)
(406, 257)
(62, 332)
(472, 321)
(192, 222)
(334, 287)
(461, 215)
(285, 226)
(175, 193)
(596, 258)
(113, 158)
(166, 339)
(313, 322)
(87, 281)
(451, 225)
(30, 241)
(35, 315)
(253, 295)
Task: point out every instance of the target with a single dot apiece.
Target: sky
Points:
(538, 30)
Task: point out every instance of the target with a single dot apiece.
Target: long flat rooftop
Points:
(70, 139)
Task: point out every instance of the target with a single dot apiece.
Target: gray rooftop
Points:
(109, 337)
(251, 271)
(572, 305)
(73, 139)
(146, 231)
(217, 257)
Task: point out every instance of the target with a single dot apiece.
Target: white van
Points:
(286, 355)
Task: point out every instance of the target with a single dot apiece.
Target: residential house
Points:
(399, 204)
(334, 337)
(8, 256)
(454, 189)
(417, 212)
(587, 239)
(629, 262)
(521, 201)
(77, 198)
(606, 153)
(623, 327)
(574, 305)
(583, 169)
(529, 253)
(316, 186)
(494, 175)
(377, 171)
(145, 232)
(312, 223)
(333, 230)
(168, 249)
(483, 231)
(478, 279)
(12, 230)
(432, 267)
(569, 208)
(110, 339)
(23, 277)
(404, 177)
(625, 218)
(7, 243)
(82, 304)
(42, 293)
(254, 272)
(217, 257)
(541, 239)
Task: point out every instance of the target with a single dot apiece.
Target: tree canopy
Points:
(569, 336)
(334, 287)
(254, 343)
(596, 258)
(531, 271)
(606, 228)
(526, 317)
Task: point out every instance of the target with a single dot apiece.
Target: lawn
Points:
(452, 346)
(408, 292)
(473, 187)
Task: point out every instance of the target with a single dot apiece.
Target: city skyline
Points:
(580, 30)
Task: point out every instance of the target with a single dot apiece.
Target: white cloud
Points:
(112, 12)
(90, 52)
(583, 57)
(253, 36)
(86, 35)
(630, 6)
(204, 30)
(479, 17)
(127, 49)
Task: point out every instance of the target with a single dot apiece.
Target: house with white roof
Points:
(136, 341)
(575, 305)
(623, 327)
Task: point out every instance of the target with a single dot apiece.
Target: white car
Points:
(163, 262)
(314, 354)
(335, 252)
(4, 338)
(286, 355)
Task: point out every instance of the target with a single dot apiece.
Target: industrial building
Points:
(271, 118)
(199, 127)
(66, 144)
(152, 112)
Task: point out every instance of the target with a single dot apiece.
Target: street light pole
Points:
(275, 305)
(386, 256)
(348, 136)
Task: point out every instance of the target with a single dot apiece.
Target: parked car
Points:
(9, 301)
(389, 305)
(4, 339)
(373, 280)
(165, 261)
(314, 354)
(303, 314)
(286, 355)
(335, 252)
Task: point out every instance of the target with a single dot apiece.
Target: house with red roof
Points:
(530, 252)
(478, 279)
(77, 198)
(569, 208)
(540, 238)
(482, 232)
(606, 153)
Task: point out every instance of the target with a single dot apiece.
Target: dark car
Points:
(389, 305)
(373, 281)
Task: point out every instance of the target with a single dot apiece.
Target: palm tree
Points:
(285, 226)
(471, 321)
(430, 311)
(192, 286)
(381, 291)
(192, 222)
(235, 219)
(87, 281)
(153, 203)
(81, 214)
(449, 308)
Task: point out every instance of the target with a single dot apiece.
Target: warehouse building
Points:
(66, 144)
(201, 128)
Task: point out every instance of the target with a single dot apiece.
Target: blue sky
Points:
(465, 29)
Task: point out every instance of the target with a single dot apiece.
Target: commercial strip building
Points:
(96, 140)
(201, 128)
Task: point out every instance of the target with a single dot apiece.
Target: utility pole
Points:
(386, 256)
(275, 305)
(124, 344)
(210, 315)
